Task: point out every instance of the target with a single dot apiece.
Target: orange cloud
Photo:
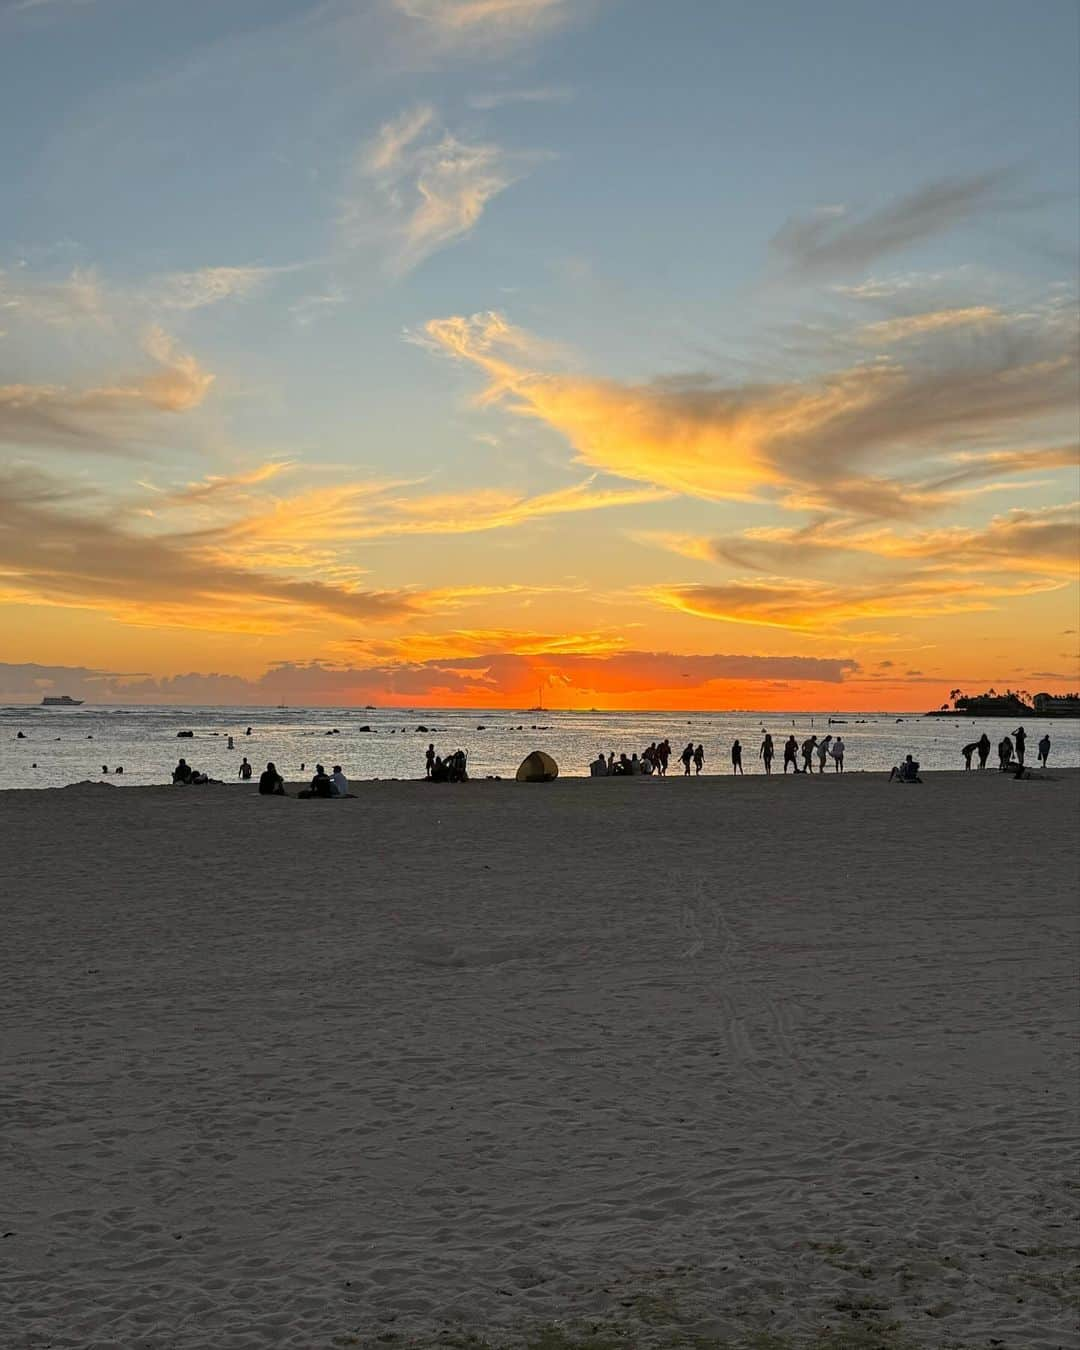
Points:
(822, 442)
(109, 417)
(824, 609)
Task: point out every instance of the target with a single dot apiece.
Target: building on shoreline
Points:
(1057, 705)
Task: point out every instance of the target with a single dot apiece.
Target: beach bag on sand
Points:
(537, 768)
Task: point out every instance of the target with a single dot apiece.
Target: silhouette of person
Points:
(1044, 750)
(1021, 744)
(699, 759)
(686, 756)
(182, 772)
(837, 751)
(1005, 753)
(791, 754)
(968, 751)
(736, 757)
(271, 783)
(808, 754)
(245, 770)
(823, 752)
(429, 761)
(983, 744)
(765, 754)
(597, 769)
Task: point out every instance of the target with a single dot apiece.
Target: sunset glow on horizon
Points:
(466, 353)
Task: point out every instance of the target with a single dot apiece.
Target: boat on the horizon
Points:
(63, 701)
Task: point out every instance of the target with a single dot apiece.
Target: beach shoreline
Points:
(721, 1062)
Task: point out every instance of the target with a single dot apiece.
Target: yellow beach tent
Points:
(537, 768)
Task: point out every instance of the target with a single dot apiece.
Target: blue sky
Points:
(273, 204)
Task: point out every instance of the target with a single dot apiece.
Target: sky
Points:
(443, 352)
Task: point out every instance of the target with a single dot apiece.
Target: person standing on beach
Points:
(736, 757)
(791, 754)
(1044, 750)
(663, 754)
(245, 770)
(1021, 743)
(823, 752)
(686, 756)
(699, 759)
(968, 751)
(429, 761)
(808, 754)
(837, 752)
(983, 744)
(1005, 753)
(765, 754)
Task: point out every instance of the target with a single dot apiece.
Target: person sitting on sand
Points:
(245, 770)
(271, 783)
(646, 765)
(182, 772)
(598, 766)
(791, 754)
(321, 786)
(984, 749)
(808, 754)
(1044, 750)
(340, 782)
(766, 753)
(907, 772)
(736, 757)
(968, 751)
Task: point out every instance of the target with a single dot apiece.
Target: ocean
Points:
(70, 745)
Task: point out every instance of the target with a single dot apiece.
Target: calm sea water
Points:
(70, 745)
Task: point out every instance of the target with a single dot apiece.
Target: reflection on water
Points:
(69, 745)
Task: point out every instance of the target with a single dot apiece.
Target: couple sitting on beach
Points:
(271, 783)
(185, 774)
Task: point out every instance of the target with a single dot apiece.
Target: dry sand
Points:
(688, 1059)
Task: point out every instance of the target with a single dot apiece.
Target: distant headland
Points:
(1012, 703)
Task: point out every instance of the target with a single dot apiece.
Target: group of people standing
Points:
(654, 758)
(1011, 750)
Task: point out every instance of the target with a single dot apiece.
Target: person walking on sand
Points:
(245, 770)
(765, 754)
(791, 754)
(837, 752)
(663, 754)
(1021, 744)
(1044, 750)
(968, 751)
(808, 754)
(823, 752)
(736, 757)
(686, 757)
(429, 761)
(983, 744)
(699, 759)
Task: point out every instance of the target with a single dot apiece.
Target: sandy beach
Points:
(687, 1063)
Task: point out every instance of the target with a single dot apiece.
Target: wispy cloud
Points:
(486, 25)
(908, 326)
(828, 609)
(114, 417)
(71, 301)
(830, 240)
(875, 438)
(207, 286)
(416, 188)
(483, 101)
